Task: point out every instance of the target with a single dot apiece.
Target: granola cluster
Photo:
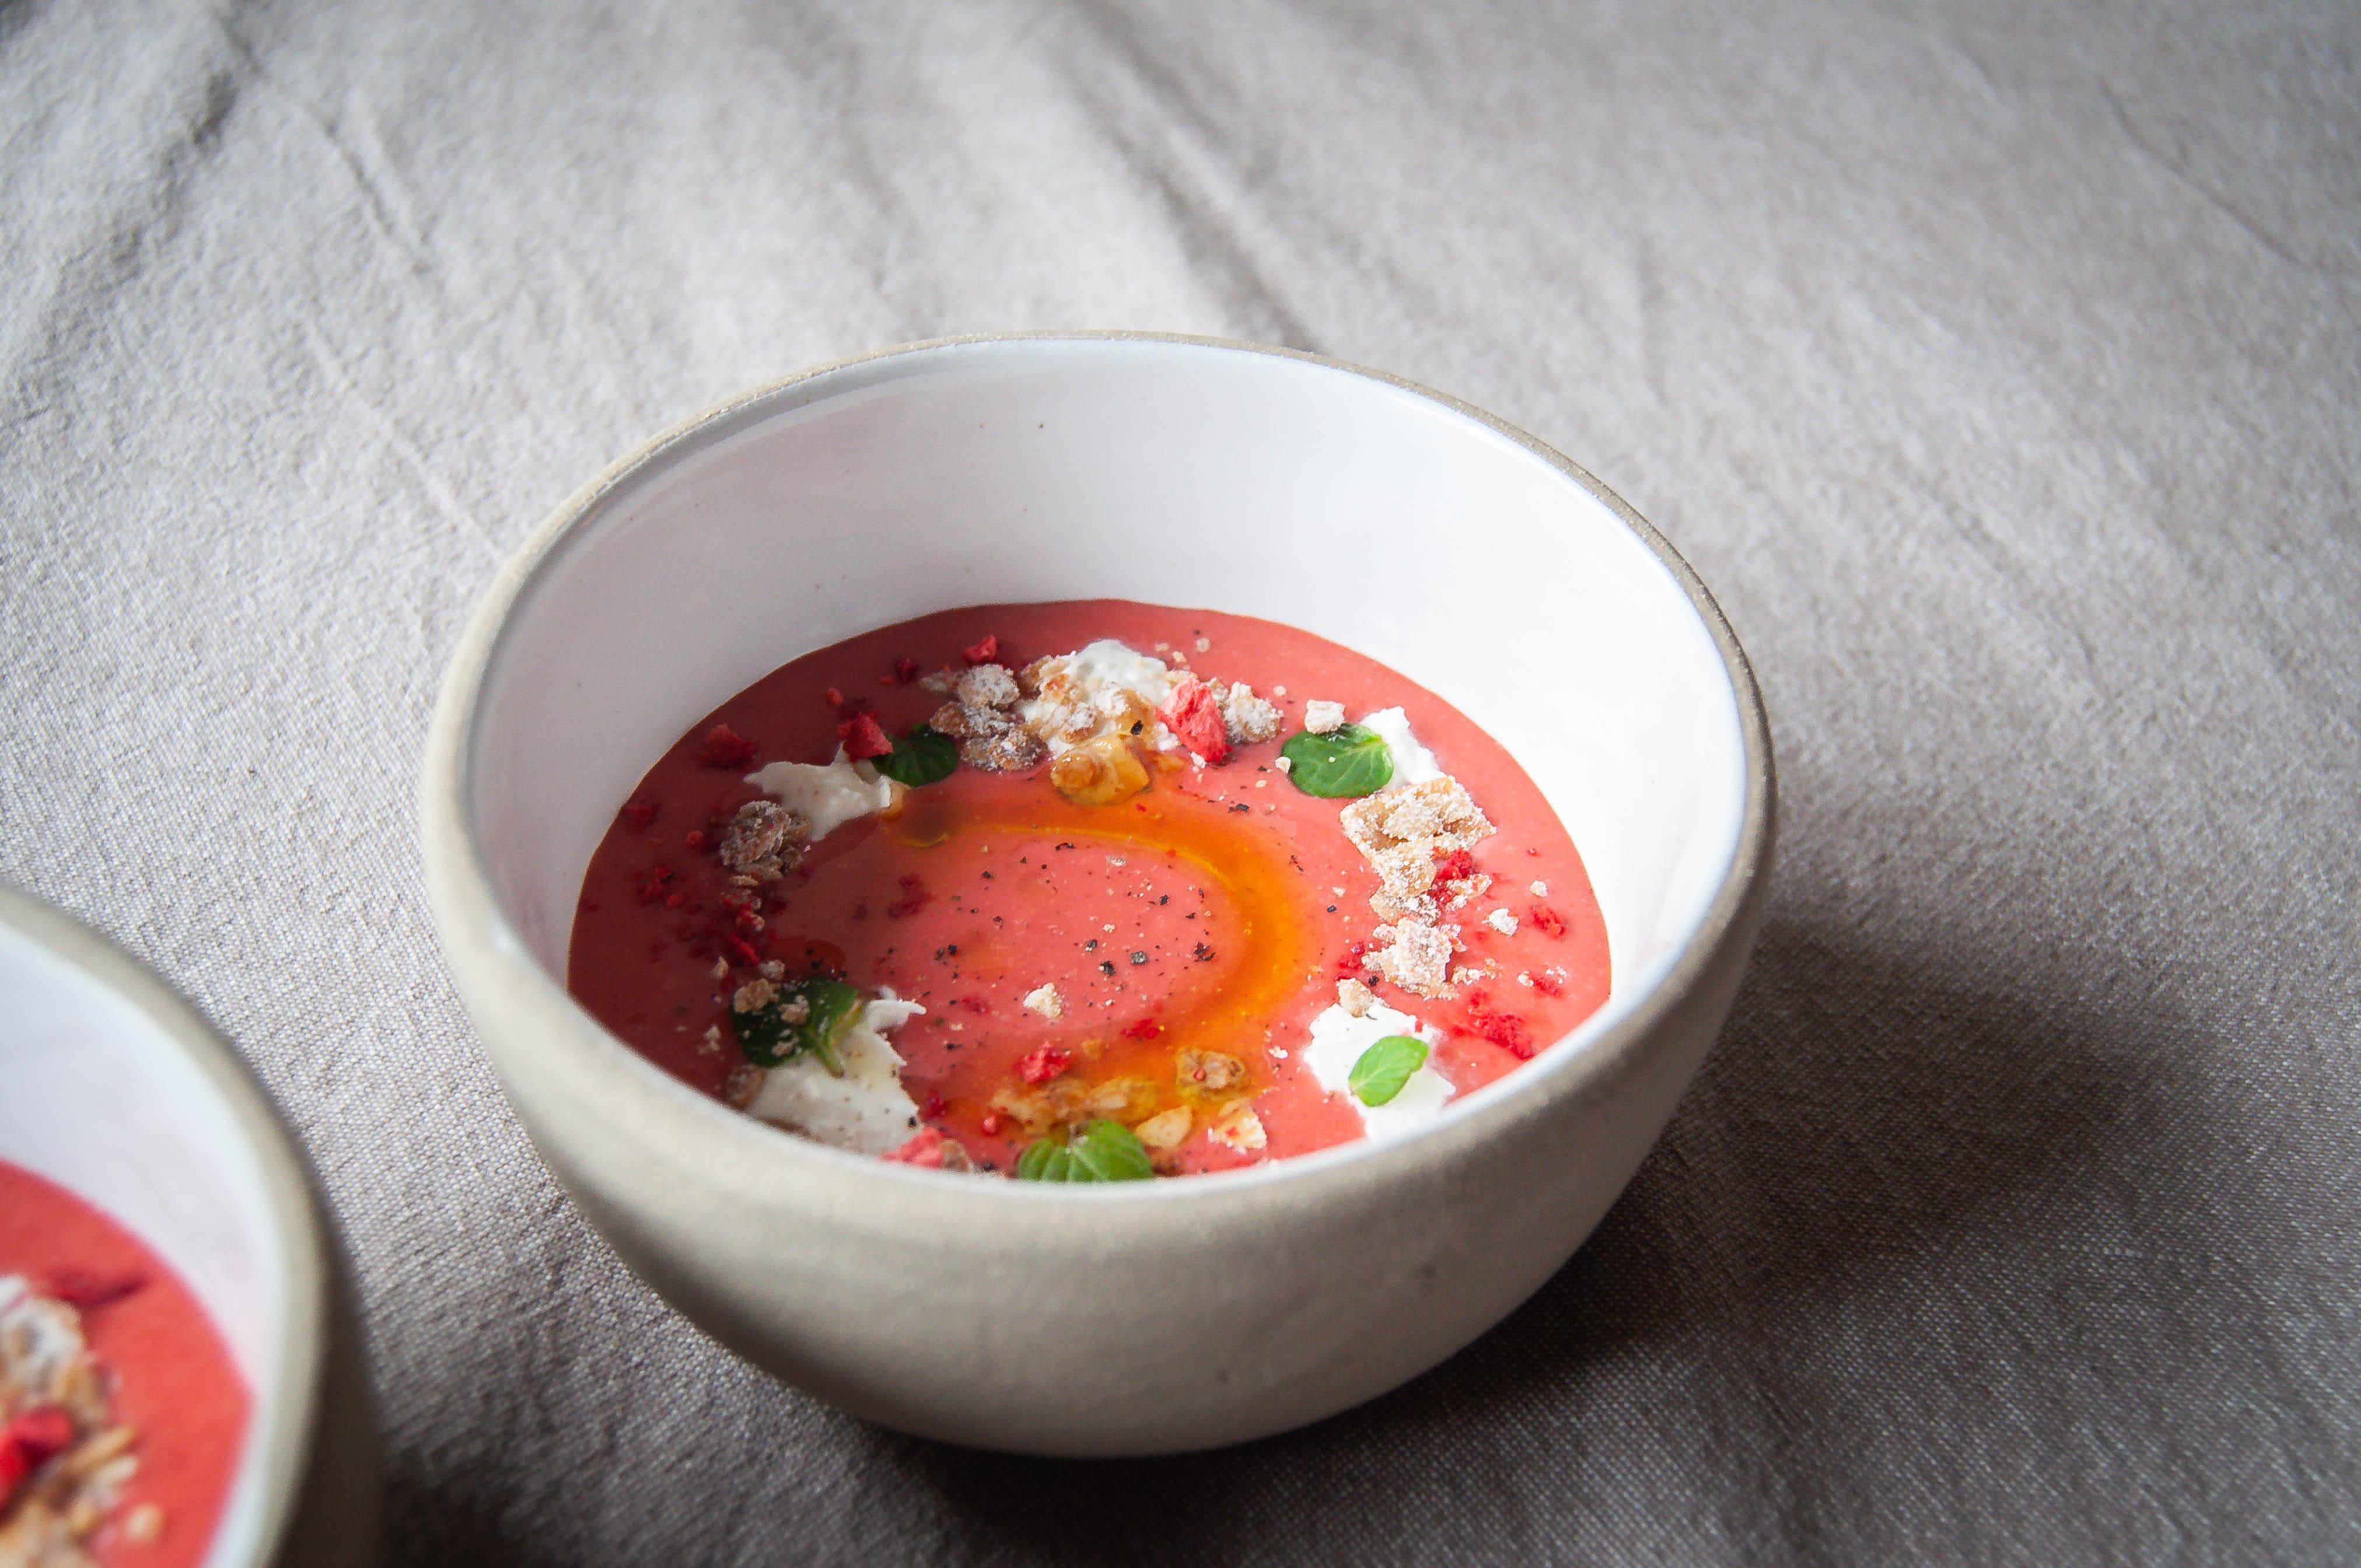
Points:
(64, 1460)
(981, 716)
(764, 842)
(1417, 838)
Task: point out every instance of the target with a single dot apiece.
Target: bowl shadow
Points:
(1871, 1109)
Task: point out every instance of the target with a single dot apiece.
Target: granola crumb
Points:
(1046, 1001)
(753, 996)
(143, 1525)
(1540, 890)
(939, 683)
(1503, 922)
(987, 685)
(720, 969)
(1415, 956)
(1320, 718)
(1285, 764)
(711, 1044)
(1204, 644)
(1237, 1127)
(1355, 997)
(764, 840)
(1247, 718)
(744, 1082)
(1016, 751)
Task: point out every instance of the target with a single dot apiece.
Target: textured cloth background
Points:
(1998, 365)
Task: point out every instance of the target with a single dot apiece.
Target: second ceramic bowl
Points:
(1139, 1318)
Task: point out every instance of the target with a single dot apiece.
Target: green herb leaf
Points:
(1044, 1160)
(807, 1015)
(1346, 761)
(921, 757)
(1103, 1151)
(1384, 1068)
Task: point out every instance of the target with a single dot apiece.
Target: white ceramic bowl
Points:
(1133, 1319)
(112, 1086)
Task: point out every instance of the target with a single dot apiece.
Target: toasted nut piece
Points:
(1124, 1099)
(1207, 1074)
(1100, 772)
(1166, 1129)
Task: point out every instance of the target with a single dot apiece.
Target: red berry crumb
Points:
(725, 747)
(1548, 919)
(83, 1289)
(863, 737)
(654, 888)
(913, 898)
(906, 671)
(1146, 1029)
(924, 1150)
(1042, 1066)
(984, 653)
(972, 1003)
(1195, 718)
(1548, 984)
(638, 814)
(1505, 1030)
(695, 838)
(30, 1441)
(933, 1106)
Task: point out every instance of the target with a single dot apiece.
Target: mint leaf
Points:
(807, 1015)
(1346, 761)
(1384, 1068)
(1103, 1151)
(921, 757)
(1043, 1160)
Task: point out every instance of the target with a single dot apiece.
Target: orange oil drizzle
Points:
(1264, 957)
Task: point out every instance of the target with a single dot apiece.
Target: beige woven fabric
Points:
(1999, 365)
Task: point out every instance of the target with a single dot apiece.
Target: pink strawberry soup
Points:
(1158, 946)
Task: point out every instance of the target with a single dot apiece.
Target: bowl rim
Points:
(283, 1448)
(467, 910)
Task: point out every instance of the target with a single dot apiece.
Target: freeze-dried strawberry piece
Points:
(30, 1441)
(915, 897)
(725, 747)
(1146, 1029)
(1548, 919)
(930, 1149)
(1195, 719)
(1042, 1066)
(984, 653)
(863, 737)
(84, 1288)
(906, 671)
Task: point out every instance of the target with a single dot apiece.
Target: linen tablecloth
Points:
(1998, 365)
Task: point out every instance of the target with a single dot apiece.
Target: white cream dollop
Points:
(1106, 666)
(1338, 1039)
(827, 796)
(1414, 764)
(867, 1110)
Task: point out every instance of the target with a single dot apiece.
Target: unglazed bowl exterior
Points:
(112, 1086)
(1142, 1318)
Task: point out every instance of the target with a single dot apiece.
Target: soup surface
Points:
(124, 1413)
(1185, 946)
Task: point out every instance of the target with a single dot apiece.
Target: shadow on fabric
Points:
(1867, 1110)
